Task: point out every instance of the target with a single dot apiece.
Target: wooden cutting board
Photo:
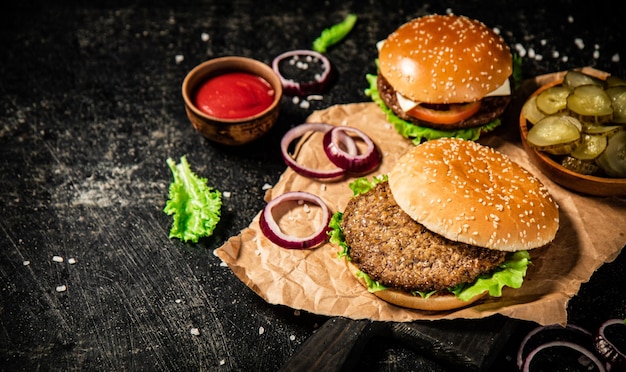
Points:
(468, 345)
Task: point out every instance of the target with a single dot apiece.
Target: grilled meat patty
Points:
(398, 252)
(490, 109)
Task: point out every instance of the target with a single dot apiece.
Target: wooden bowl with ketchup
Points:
(232, 100)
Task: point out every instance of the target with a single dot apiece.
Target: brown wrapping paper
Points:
(592, 232)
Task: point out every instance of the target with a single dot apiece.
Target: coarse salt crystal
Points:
(266, 186)
(26, 263)
(261, 330)
(292, 337)
(57, 258)
(579, 43)
(226, 194)
(204, 36)
(179, 58)
(195, 331)
(71, 261)
(305, 104)
(61, 288)
(615, 58)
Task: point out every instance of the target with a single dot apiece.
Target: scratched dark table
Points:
(90, 109)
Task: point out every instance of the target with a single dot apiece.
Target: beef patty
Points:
(491, 108)
(398, 252)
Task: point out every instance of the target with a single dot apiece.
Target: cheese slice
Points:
(503, 90)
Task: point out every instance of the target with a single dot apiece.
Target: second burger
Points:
(443, 76)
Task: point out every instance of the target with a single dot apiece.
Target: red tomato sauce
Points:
(234, 95)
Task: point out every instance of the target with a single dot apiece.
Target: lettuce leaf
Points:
(196, 207)
(418, 133)
(334, 34)
(362, 185)
(510, 273)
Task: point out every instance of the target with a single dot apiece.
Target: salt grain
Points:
(261, 330)
(226, 194)
(204, 36)
(179, 58)
(71, 261)
(57, 258)
(266, 186)
(195, 331)
(61, 288)
(305, 104)
(615, 58)
(579, 43)
(292, 337)
(26, 263)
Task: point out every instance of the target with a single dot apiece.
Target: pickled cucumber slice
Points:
(613, 159)
(553, 99)
(591, 147)
(574, 79)
(615, 81)
(531, 112)
(555, 134)
(579, 166)
(617, 94)
(591, 103)
(602, 130)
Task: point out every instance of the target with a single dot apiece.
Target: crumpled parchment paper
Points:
(592, 232)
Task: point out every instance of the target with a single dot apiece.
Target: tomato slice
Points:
(454, 113)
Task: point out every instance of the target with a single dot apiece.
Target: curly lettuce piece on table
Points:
(334, 34)
(195, 207)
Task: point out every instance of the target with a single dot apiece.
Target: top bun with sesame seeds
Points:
(445, 72)
(473, 194)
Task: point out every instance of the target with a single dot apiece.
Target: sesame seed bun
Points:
(445, 59)
(474, 194)
(436, 302)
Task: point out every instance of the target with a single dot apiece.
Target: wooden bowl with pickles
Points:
(574, 130)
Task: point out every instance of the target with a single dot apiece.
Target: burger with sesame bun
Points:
(443, 76)
(452, 222)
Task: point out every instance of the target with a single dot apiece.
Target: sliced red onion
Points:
(531, 334)
(571, 345)
(294, 88)
(299, 131)
(359, 163)
(270, 228)
(608, 351)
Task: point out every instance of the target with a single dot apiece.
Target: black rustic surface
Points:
(90, 109)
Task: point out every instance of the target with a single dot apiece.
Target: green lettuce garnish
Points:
(418, 133)
(510, 273)
(196, 207)
(362, 185)
(334, 34)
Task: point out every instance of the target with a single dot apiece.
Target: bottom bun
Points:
(436, 302)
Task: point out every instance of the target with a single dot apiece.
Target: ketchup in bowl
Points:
(234, 95)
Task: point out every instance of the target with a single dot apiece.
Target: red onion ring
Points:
(297, 132)
(271, 230)
(520, 351)
(607, 350)
(294, 88)
(571, 345)
(359, 163)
